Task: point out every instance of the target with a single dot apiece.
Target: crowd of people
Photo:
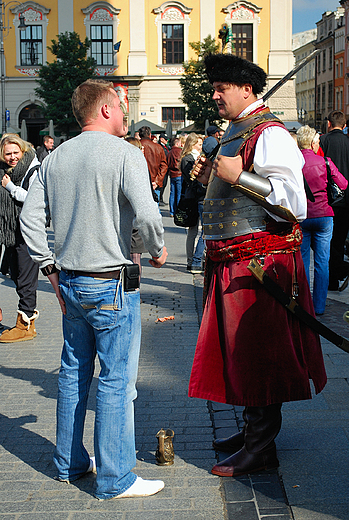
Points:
(256, 198)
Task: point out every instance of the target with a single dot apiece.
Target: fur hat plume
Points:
(228, 68)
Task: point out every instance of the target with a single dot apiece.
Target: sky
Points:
(307, 12)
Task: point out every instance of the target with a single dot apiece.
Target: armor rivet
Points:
(234, 212)
(234, 223)
(221, 214)
(220, 226)
(210, 215)
(210, 226)
(222, 202)
(211, 202)
(235, 201)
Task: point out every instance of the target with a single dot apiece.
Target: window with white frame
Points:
(172, 43)
(244, 20)
(31, 43)
(102, 44)
(101, 23)
(172, 21)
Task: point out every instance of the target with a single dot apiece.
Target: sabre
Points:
(290, 74)
(291, 305)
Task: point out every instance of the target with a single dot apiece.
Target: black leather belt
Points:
(105, 275)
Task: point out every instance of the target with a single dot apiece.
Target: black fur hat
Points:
(228, 68)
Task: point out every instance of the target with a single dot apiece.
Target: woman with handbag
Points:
(318, 226)
(193, 190)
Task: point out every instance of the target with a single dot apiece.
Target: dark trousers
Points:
(24, 272)
(338, 268)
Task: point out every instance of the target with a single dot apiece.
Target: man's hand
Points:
(159, 261)
(202, 170)
(228, 168)
(54, 279)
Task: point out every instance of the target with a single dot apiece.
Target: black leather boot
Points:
(262, 424)
(244, 462)
(231, 444)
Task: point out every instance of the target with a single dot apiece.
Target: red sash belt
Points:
(288, 242)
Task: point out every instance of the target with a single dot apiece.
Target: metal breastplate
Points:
(227, 212)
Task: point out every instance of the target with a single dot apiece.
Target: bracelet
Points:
(49, 269)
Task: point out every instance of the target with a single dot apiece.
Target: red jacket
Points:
(174, 162)
(156, 159)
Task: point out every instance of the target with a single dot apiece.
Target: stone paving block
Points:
(242, 510)
(330, 488)
(88, 515)
(311, 511)
(214, 514)
(43, 516)
(237, 489)
(26, 506)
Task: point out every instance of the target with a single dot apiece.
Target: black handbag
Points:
(334, 193)
(187, 213)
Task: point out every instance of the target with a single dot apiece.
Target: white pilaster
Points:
(65, 16)
(207, 19)
(281, 60)
(137, 58)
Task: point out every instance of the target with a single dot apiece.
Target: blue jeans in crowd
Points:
(317, 234)
(194, 257)
(101, 320)
(175, 193)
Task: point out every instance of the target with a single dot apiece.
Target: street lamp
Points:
(6, 29)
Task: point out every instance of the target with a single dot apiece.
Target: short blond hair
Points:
(305, 136)
(89, 97)
(13, 139)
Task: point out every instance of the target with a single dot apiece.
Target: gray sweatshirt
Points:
(95, 188)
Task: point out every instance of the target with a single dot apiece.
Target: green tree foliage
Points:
(196, 90)
(58, 80)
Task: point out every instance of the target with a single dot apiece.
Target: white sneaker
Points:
(92, 467)
(142, 488)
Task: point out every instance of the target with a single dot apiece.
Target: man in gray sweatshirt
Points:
(95, 188)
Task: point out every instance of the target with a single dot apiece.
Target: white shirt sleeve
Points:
(19, 193)
(278, 159)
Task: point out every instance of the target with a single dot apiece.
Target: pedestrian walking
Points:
(192, 189)
(335, 145)
(173, 161)
(251, 351)
(96, 187)
(318, 226)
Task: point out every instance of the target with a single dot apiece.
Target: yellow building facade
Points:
(141, 45)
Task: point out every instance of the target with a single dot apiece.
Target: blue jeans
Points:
(317, 234)
(194, 257)
(175, 193)
(101, 319)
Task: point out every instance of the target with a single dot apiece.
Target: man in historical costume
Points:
(251, 351)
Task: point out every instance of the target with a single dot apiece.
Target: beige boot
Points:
(24, 329)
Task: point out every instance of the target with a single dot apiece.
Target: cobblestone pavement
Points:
(313, 445)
